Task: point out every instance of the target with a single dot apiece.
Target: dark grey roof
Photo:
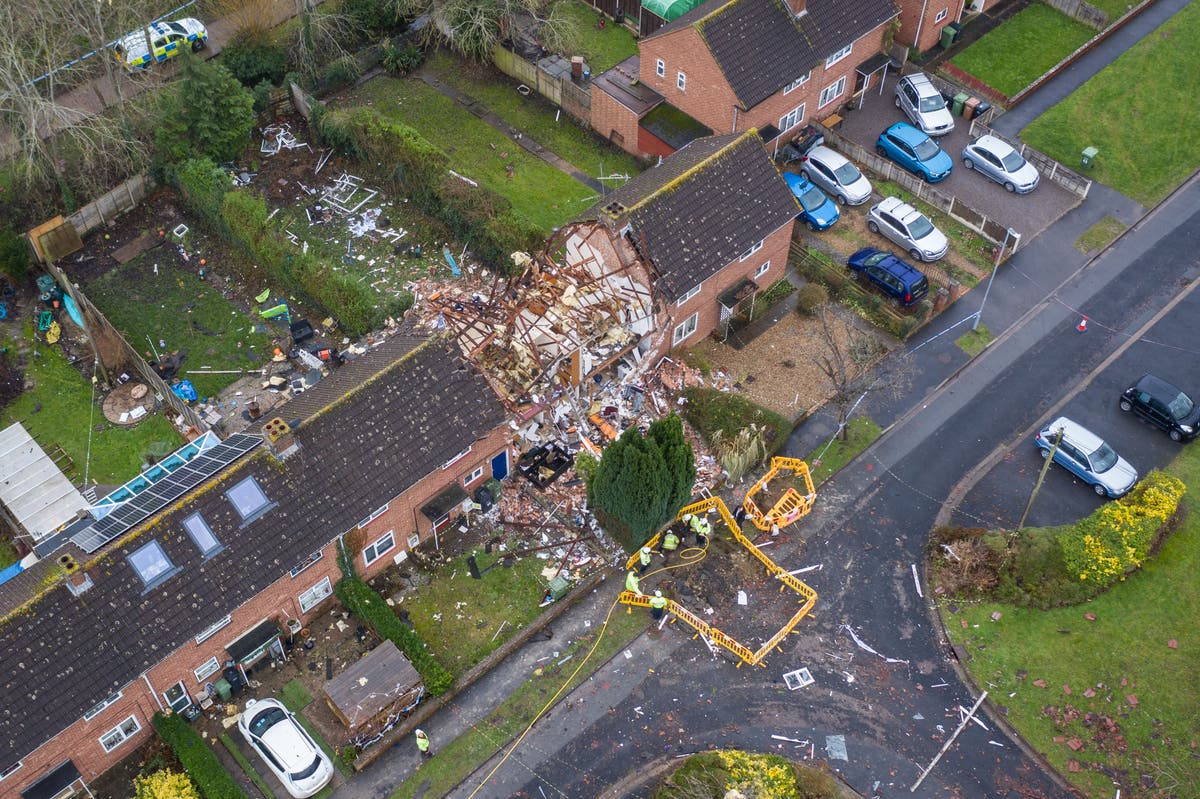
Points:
(702, 207)
(64, 654)
(760, 47)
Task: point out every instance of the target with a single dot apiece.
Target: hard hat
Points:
(646, 548)
(687, 517)
(658, 593)
(420, 732)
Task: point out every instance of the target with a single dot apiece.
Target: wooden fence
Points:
(559, 89)
(112, 204)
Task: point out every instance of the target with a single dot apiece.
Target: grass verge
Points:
(1100, 235)
(1146, 155)
(1016, 53)
(974, 342)
(860, 432)
(456, 760)
(295, 696)
(251, 772)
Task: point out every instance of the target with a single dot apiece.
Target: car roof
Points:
(921, 82)
(796, 182)
(897, 207)
(995, 145)
(1076, 433)
(1157, 387)
(828, 156)
(907, 133)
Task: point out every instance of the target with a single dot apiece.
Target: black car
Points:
(895, 277)
(1164, 406)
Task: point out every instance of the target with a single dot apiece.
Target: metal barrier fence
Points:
(1050, 169)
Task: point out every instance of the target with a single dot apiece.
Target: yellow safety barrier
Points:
(788, 508)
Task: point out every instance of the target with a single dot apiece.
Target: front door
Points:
(500, 465)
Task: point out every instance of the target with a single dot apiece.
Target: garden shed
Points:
(382, 682)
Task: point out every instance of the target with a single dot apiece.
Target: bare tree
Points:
(854, 362)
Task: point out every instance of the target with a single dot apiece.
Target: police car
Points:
(167, 40)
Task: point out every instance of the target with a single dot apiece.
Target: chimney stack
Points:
(281, 439)
(576, 68)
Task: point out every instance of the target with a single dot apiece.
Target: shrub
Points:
(341, 72)
(197, 758)
(371, 15)
(709, 411)
(208, 114)
(401, 59)
(164, 784)
(262, 96)
(15, 256)
(202, 185)
(253, 59)
(369, 606)
(811, 297)
(761, 776)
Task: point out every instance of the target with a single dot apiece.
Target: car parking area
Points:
(1027, 214)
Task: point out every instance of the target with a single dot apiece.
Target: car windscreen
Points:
(1181, 406)
(920, 287)
(934, 102)
(309, 770)
(919, 227)
(847, 173)
(175, 26)
(812, 199)
(1103, 458)
(876, 259)
(925, 150)
(265, 721)
(1012, 162)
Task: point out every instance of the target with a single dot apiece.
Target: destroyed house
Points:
(141, 610)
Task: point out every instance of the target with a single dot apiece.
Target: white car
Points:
(994, 157)
(924, 105)
(286, 747)
(908, 227)
(837, 176)
(166, 39)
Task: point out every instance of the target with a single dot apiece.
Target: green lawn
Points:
(175, 306)
(601, 48)
(1016, 53)
(538, 191)
(860, 432)
(1124, 652)
(1140, 112)
(973, 342)
(58, 410)
(1100, 235)
(535, 117)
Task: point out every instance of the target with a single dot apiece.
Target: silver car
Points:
(924, 105)
(1085, 455)
(908, 227)
(994, 158)
(285, 747)
(837, 176)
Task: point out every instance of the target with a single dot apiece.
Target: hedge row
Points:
(198, 759)
(362, 601)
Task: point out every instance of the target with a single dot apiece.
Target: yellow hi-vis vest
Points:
(658, 602)
(631, 583)
(670, 541)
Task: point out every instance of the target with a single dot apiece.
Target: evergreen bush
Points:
(197, 758)
(253, 59)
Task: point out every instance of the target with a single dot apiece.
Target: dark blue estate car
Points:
(896, 278)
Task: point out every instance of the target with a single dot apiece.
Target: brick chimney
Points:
(281, 438)
(797, 7)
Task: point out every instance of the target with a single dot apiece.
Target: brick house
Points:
(922, 21)
(709, 226)
(385, 451)
(730, 65)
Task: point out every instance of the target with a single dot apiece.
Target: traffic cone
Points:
(1082, 326)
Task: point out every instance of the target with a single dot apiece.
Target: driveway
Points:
(1027, 214)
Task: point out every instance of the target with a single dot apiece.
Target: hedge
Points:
(198, 759)
(363, 602)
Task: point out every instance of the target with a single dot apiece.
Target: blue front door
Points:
(500, 465)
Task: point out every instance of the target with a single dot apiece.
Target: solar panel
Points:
(165, 491)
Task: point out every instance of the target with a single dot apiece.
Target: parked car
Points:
(908, 227)
(896, 278)
(286, 747)
(1164, 406)
(923, 104)
(838, 177)
(994, 158)
(1085, 455)
(167, 40)
(817, 210)
(915, 151)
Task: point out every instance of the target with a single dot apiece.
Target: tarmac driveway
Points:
(1027, 214)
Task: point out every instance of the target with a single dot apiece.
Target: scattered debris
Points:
(279, 137)
(859, 642)
(797, 679)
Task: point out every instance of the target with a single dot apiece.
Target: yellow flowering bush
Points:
(1116, 539)
(164, 784)
(759, 776)
(745, 774)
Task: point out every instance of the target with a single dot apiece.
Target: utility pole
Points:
(1010, 233)
(1058, 434)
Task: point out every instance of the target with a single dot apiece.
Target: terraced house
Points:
(730, 65)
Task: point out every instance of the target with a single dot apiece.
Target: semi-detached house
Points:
(386, 449)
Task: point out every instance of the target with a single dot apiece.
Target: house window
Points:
(762, 270)
(304, 564)
(310, 598)
(839, 55)
(212, 629)
(374, 515)
(751, 251)
(208, 669)
(685, 328)
(798, 82)
(378, 548)
(473, 476)
(680, 81)
(198, 530)
(152, 564)
(692, 292)
(941, 15)
(457, 458)
(660, 67)
(249, 500)
(833, 91)
(792, 118)
(91, 714)
(177, 697)
(5, 773)
(120, 734)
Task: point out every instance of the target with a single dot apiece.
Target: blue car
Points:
(916, 152)
(817, 210)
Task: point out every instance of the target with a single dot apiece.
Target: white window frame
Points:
(687, 295)
(99, 708)
(306, 563)
(457, 458)
(660, 67)
(122, 732)
(473, 476)
(152, 581)
(186, 698)
(375, 550)
(192, 520)
(687, 327)
(5, 773)
(762, 270)
(838, 88)
(941, 15)
(681, 81)
(839, 55)
(798, 82)
(206, 669)
(796, 114)
(213, 629)
(315, 595)
(755, 248)
(375, 514)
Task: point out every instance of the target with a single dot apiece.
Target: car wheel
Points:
(880, 151)
(916, 254)
(968, 163)
(925, 177)
(1125, 405)
(1009, 187)
(1176, 435)
(896, 100)
(813, 227)
(843, 199)
(804, 174)
(871, 226)
(198, 45)
(1099, 489)
(1045, 453)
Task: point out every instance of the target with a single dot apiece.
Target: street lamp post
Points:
(1009, 233)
